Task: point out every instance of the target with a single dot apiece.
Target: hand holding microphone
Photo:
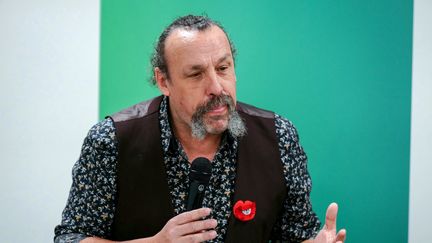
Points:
(190, 226)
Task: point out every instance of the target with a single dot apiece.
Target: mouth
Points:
(218, 110)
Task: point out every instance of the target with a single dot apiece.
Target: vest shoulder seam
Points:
(254, 111)
(140, 110)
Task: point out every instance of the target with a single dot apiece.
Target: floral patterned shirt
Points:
(91, 204)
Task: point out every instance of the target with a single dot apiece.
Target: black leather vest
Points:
(143, 204)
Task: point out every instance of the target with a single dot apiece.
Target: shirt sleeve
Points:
(298, 222)
(90, 207)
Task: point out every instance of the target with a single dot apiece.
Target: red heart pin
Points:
(244, 211)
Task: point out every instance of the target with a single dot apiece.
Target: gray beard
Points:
(236, 126)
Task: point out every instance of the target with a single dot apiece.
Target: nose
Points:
(214, 86)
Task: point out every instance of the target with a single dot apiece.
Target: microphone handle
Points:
(198, 200)
(193, 191)
(196, 196)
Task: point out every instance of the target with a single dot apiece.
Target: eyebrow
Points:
(226, 56)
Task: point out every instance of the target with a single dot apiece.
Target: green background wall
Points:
(339, 69)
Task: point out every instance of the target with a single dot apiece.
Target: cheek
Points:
(180, 104)
(189, 104)
(230, 88)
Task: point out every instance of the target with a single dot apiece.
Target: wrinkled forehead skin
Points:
(185, 48)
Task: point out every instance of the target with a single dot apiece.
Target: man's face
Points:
(201, 78)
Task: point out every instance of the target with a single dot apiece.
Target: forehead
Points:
(184, 45)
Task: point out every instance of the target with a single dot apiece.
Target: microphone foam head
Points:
(200, 170)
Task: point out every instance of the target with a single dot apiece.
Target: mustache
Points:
(214, 102)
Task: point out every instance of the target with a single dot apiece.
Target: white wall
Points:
(49, 62)
(420, 213)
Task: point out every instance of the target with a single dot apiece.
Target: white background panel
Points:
(49, 65)
(420, 213)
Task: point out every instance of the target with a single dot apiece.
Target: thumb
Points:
(331, 215)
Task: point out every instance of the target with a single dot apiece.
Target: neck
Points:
(195, 148)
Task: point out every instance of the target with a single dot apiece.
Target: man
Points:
(131, 181)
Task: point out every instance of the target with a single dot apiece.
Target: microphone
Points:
(199, 178)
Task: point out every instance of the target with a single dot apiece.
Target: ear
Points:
(161, 81)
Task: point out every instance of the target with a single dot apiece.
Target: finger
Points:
(200, 237)
(331, 214)
(196, 226)
(190, 216)
(341, 235)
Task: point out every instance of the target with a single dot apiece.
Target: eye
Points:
(222, 68)
(194, 75)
